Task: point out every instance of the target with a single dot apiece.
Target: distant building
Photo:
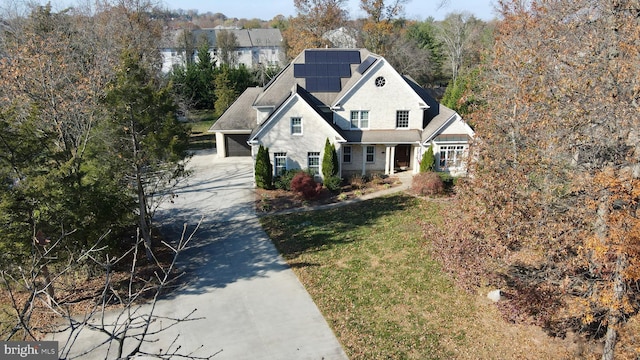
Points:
(256, 47)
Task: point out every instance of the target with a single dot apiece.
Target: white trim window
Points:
(279, 163)
(360, 119)
(370, 154)
(296, 126)
(346, 154)
(313, 162)
(402, 119)
(451, 156)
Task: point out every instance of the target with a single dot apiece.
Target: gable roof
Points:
(349, 67)
(299, 93)
(240, 115)
(278, 89)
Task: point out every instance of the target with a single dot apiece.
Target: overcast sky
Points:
(268, 9)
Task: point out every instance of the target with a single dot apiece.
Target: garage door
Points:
(236, 145)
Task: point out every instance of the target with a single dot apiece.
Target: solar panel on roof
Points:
(323, 69)
(334, 85)
(333, 70)
(299, 70)
(366, 64)
(354, 57)
(344, 70)
(323, 84)
(309, 56)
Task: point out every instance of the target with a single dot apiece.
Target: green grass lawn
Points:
(200, 122)
(368, 268)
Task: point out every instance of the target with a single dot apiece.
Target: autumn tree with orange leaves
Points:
(550, 211)
(314, 18)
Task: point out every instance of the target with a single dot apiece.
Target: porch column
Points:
(221, 149)
(387, 161)
(393, 160)
(340, 159)
(416, 159)
(364, 159)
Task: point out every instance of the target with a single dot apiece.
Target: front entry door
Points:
(403, 156)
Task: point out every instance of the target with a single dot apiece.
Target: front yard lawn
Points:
(368, 268)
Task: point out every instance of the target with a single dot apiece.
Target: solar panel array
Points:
(323, 69)
(366, 63)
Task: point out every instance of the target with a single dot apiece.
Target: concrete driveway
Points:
(250, 304)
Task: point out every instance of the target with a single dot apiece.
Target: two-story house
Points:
(379, 120)
(255, 47)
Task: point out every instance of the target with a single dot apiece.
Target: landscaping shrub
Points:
(283, 182)
(263, 169)
(428, 161)
(448, 180)
(333, 183)
(358, 181)
(427, 183)
(330, 165)
(304, 184)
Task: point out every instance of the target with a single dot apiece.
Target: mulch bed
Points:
(273, 201)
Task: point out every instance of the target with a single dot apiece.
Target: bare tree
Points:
(125, 332)
(227, 43)
(454, 32)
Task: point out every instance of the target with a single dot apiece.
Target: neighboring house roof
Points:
(244, 37)
(240, 115)
(265, 37)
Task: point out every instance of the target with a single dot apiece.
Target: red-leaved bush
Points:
(427, 183)
(304, 185)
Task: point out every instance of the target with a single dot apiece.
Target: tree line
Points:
(549, 212)
(90, 145)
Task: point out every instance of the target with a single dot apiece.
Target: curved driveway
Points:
(251, 304)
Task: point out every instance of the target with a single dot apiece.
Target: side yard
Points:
(369, 270)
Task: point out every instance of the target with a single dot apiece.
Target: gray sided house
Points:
(256, 47)
(379, 120)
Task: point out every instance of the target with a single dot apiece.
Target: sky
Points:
(268, 9)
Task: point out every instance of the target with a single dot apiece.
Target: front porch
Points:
(387, 159)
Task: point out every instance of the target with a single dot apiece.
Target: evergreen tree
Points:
(428, 160)
(330, 166)
(147, 140)
(263, 169)
(225, 94)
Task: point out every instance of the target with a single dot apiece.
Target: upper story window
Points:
(296, 126)
(360, 119)
(402, 119)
